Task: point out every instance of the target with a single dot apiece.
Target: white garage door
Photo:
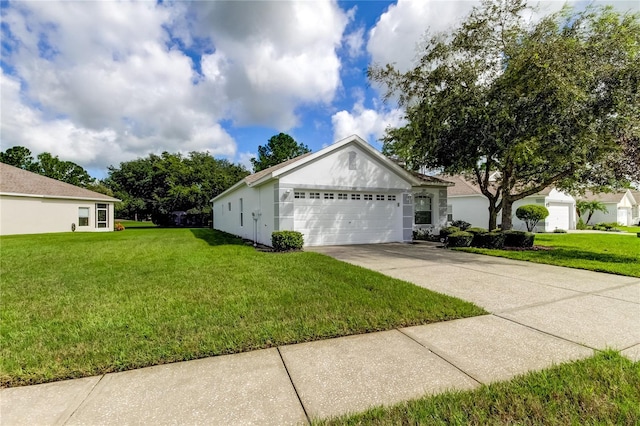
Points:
(559, 216)
(623, 216)
(335, 218)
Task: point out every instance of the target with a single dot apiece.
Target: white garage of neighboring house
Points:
(346, 193)
(466, 202)
(619, 205)
(35, 204)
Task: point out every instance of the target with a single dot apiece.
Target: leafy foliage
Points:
(286, 240)
(589, 207)
(518, 238)
(531, 214)
(555, 103)
(158, 185)
(490, 240)
(445, 232)
(461, 224)
(280, 147)
(459, 239)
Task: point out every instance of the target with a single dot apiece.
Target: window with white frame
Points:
(379, 197)
(391, 197)
(368, 197)
(299, 194)
(449, 213)
(102, 216)
(343, 196)
(328, 195)
(83, 216)
(315, 195)
(355, 196)
(422, 209)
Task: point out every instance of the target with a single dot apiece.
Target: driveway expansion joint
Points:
(284, 364)
(442, 357)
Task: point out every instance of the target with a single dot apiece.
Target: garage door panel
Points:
(559, 216)
(325, 222)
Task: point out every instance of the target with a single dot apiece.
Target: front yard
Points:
(75, 305)
(612, 252)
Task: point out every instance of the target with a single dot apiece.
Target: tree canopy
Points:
(158, 185)
(550, 103)
(47, 165)
(279, 148)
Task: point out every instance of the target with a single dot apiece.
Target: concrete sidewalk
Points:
(541, 315)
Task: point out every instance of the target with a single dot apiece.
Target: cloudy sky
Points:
(100, 82)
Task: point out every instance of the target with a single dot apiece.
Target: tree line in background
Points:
(157, 186)
(550, 103)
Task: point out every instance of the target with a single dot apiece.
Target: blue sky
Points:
(98, 83)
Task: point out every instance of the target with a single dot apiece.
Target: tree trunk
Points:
(493, 216)
(507, 208)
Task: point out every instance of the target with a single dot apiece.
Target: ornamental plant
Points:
(531, 214)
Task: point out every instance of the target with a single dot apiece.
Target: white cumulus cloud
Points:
(369, 124)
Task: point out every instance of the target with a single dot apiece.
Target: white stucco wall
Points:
(31, 215)
(332, 171)
(475, 210)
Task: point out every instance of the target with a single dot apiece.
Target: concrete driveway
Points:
(592, 309)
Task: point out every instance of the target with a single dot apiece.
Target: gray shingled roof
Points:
(603, 197)
(17, 181)
(465, 187)
(431, 179)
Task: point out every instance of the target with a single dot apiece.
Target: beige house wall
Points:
(38, 215)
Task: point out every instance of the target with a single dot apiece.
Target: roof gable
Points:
(15, 181)
(607, 197)
(293, 164)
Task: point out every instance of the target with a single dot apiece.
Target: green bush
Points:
(423, 234)
(581, 225)
(606, 226)
(531, 214)
(444, 232)
(461, 224)
(286, 240)
(459, 239)
(559, 231)
(490, 240)
(477, 230)
(518, 238)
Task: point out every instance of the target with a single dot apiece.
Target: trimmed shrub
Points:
(444, 232)
(459, 239)
(286, 240)
(477, 230)
(559, 231)
(490, 240)
(461, 224)
(531, 214)
(518, 238)
(423, 234)
(581, 225)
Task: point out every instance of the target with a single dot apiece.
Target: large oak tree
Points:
(550, 103)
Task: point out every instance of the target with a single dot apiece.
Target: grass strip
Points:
(611, 253)
(80, 304)
(603, 389)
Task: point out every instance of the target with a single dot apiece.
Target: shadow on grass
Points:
(215, 238)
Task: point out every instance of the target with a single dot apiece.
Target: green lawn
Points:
(632, 229)
(136, 224)
(604, 389)
(611, 252)
(78, 304)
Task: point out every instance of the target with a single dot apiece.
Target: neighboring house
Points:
(635, 209)
(33, 204)
(346, 193)
(619, 207)
(466, 202)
